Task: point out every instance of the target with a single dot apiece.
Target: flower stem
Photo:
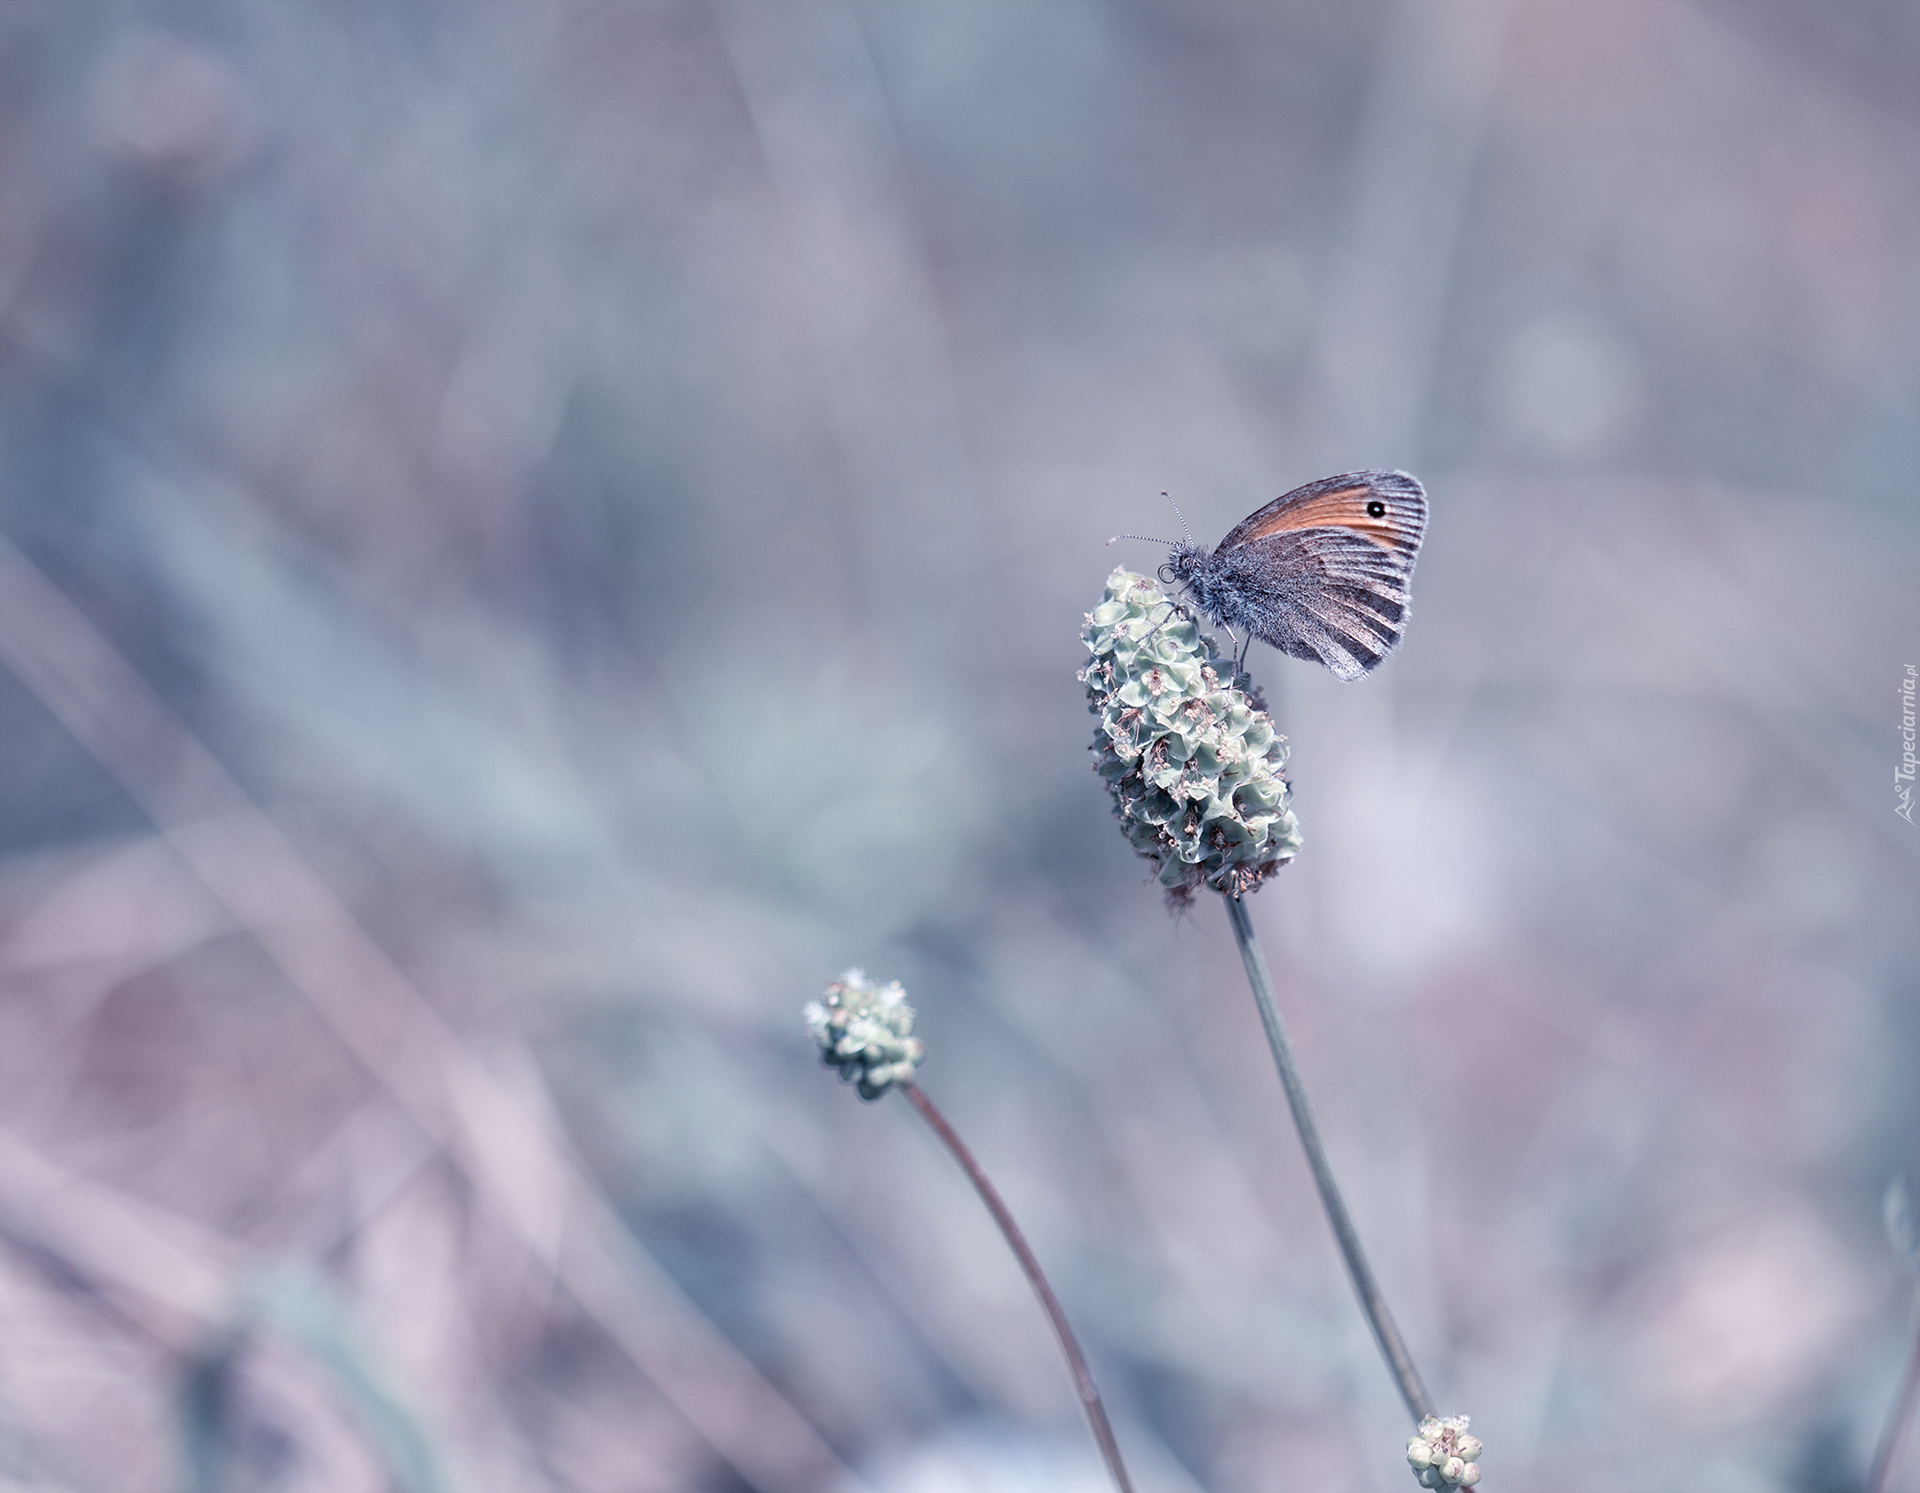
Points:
(1392, 1348)
(1897, 1419)
(1016, 1241)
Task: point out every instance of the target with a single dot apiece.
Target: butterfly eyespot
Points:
(1376, 509)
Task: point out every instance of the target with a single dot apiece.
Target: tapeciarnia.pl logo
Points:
(1903, 774)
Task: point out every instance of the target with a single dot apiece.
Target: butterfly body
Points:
(1322, 572)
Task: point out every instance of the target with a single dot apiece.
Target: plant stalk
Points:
(1016, 1241)
(1392, 1347)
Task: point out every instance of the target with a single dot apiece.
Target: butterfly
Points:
(1320, 573)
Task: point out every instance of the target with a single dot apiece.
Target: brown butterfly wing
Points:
(1333, 578)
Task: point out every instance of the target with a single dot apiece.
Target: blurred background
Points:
(535, 535)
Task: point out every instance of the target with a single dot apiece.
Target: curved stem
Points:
(1392, 1347)
(1016, 1241)
(1897, 1419)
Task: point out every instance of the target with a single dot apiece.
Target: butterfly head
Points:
(1192, 568)
(1182, 559)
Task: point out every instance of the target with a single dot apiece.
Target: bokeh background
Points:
(537, 534)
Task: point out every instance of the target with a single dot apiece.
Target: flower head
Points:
(866, 1031)
(1186, 746)
(1443, 1455)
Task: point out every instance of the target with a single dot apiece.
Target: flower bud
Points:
(1442, 1454)
(866, 1031)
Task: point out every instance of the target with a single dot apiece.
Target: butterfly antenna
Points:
(1179, 515)
(1148, 538)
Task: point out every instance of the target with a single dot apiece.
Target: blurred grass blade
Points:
(302, 1309)
(1896, 1207)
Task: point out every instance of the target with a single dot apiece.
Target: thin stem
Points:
(1897, 1419)
(1016, 1241)
(1392, 1347)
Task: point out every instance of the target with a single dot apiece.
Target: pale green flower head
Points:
(1185, 745)
(1443, 1455)
(866, 1031)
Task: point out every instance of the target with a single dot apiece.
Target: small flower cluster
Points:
(1443, 1455)
(866, 1031)
(1191, 756)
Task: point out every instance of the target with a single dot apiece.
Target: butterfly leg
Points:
(1172, 612)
